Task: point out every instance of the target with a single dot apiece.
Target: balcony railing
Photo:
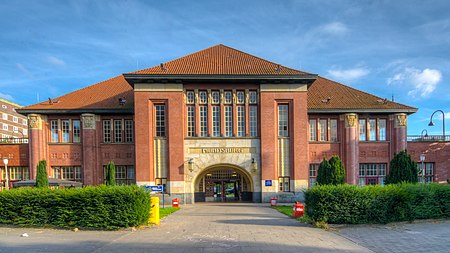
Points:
(13, 140)
(428, 138)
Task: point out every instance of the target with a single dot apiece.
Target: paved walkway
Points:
(195, 228)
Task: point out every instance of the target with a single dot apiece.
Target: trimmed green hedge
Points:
(99, 207)
(349, 204)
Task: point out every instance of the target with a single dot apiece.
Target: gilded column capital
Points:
(88, 120)
(35, 121)
(401, 120)
(351, 120)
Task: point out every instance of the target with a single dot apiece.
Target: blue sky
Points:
(387, 48)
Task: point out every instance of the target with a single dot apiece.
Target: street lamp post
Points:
(422, 159)
(5, 161)
(443, 122)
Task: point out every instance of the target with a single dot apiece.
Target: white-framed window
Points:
(129, 131)
(190, 97)
(15, 129)
(15, 119)
(333, 130)
(284, 184)
(125, 174)
(313, 168)
(372, 130)
(25, 132)
(283, 120)
(4, 106)
(312, 130)
(24, 122)
(228, 96)
(203, 97)
(362, 129)
(253, 120)
(215, 95)
(54, 130)
(323, 130)
(5, 116)
(240, 120)
(382, 129)
(240, 97)
(216, 121)
(252, 97)
(429, 172)
(160, 120)
(71, 173)
(191, 121)
(5, 127)
(372, 173)
(228, 121)
(65, 131)
(76, 128)
(107, 131)
(203, 121)
(118, 138)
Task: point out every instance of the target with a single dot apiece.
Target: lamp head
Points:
(431, 123)
(422, 157)
(5, 161)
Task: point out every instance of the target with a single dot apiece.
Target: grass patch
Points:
(289, 211)
(163, 212)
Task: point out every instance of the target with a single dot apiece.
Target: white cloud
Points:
(24, 70)
(335, 28)
(348, 74)
(423, 82)
(6, 96)
(55, 61)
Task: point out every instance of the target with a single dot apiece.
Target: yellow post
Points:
(154, 212)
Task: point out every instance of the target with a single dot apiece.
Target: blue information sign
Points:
(155, 188)
(268, 182)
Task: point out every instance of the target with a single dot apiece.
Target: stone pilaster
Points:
(351, 146)
(37, 142)
(400, 138)
(90, 170)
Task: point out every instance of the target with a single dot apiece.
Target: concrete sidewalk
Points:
(195, 228)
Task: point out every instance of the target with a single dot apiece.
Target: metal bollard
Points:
(154, 213)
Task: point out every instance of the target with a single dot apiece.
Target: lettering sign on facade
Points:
(221, 150)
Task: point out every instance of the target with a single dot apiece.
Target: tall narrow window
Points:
(228, 121)
(76, 131)
(372, 129)
(323, 130)
(240, 97)
(228, 97)
(313, 168)
(312, 130)
(65, 130)
(216, 121)
(253, 99)
(106, 131)
(190, 97)
(118, 131)
(283, 129)
(129, 131)
(203, 121)
(54, 130)
(362, 129)
(240, 121)
(203, 97)
(333, 130)
(160, 120)
(215, 95)
(382, 127)
(191, 121)
(253, 121)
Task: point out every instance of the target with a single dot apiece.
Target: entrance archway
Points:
(223, 183)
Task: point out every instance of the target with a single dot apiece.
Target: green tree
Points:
(324, 172)
(337, 170)
(41, 175)
(402, 169)
(110, 174)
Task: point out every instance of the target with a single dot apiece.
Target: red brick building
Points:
(216, 125)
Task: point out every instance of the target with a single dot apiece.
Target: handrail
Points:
(13, 140)
(427, 138)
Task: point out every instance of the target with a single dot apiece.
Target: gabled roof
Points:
(100, 97)
(219, 60)
(325, 95)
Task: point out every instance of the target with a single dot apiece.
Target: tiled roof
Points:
(216, 60)
(325, 94)
(219, 60)
(104, 95)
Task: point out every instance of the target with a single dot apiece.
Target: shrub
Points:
(324, 172)
(110, 174)
(41, 175)
(402, 169)
(91, 207)
(377, 204)
(331, 172)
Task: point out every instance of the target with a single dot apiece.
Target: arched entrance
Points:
(223, 183)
